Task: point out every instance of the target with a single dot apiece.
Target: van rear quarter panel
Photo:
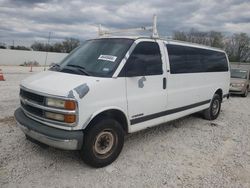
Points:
(191, 88)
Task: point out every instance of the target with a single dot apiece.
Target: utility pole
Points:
(47, 52)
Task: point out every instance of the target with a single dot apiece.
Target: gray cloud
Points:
(29, 20)
(26, 2)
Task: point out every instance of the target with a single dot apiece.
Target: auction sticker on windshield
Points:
(107, 58)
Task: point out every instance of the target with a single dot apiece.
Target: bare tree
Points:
(69, 44)
(2, 45)
(65, 46)
(58, 47)
(180, 35)
(216, 39)
(211, 38)
(38, 46)
(19, 48)
(238, 48)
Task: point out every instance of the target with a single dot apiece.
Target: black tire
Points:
(245, 93)
(214, 109)
(103, 143)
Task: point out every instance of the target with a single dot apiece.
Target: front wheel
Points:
(103, 143)
(214, 109)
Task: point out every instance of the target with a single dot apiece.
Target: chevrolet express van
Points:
(240, 81)
(112, 86)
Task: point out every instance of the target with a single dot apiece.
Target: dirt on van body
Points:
(190, 152)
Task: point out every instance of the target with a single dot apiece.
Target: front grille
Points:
(32, 96)
(235, 91)
(33, 110)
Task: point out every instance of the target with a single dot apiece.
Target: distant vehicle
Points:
(240, 82)
(111, 86)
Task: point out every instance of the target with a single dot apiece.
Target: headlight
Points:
(59, 103)
(54, 116)
(67, 118)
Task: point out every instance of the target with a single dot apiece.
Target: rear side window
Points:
(184, 59)
(144, 60)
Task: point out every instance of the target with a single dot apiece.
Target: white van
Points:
(112, 86)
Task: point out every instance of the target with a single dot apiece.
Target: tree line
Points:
(237, 46)
(65, 46)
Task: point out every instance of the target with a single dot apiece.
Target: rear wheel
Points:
(103, 143)
(214, 109)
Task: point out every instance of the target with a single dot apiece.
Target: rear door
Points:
(146, 83)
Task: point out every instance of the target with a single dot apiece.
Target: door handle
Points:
(164, 83)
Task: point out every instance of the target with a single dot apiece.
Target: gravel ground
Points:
(190, 152)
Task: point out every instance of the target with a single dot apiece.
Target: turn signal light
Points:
(70, 105)
(69, 118)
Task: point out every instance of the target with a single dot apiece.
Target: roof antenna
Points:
(155, 32)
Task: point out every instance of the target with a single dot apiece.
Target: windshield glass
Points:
(237, 73)
(99, 57)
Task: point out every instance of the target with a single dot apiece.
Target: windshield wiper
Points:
(79, 68)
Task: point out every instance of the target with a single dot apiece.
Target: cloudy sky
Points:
(26, 21)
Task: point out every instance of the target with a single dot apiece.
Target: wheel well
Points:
(115, 114)
(220, 93)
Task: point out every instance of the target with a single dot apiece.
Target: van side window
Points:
(144, 60)
(184, 59)
(214, 61)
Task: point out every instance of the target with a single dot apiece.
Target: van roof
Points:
(169, 41)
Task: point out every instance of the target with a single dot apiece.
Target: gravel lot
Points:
(190, 152)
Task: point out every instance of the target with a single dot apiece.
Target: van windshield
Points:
(237, 73)
(98, 57)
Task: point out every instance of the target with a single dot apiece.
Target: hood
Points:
(237, 81)
(57, 83)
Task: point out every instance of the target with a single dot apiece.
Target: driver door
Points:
(146, 85)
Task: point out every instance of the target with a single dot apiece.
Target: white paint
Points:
(149, 99)
(124, 94)
(101, 96)
(17, 57)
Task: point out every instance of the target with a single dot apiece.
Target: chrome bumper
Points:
(57, 143)
(58, 138)
(236, 90)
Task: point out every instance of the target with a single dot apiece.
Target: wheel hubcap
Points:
(215, 107)
(104, 142)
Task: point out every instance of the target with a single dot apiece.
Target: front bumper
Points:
(236, 90)
(58, 138)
